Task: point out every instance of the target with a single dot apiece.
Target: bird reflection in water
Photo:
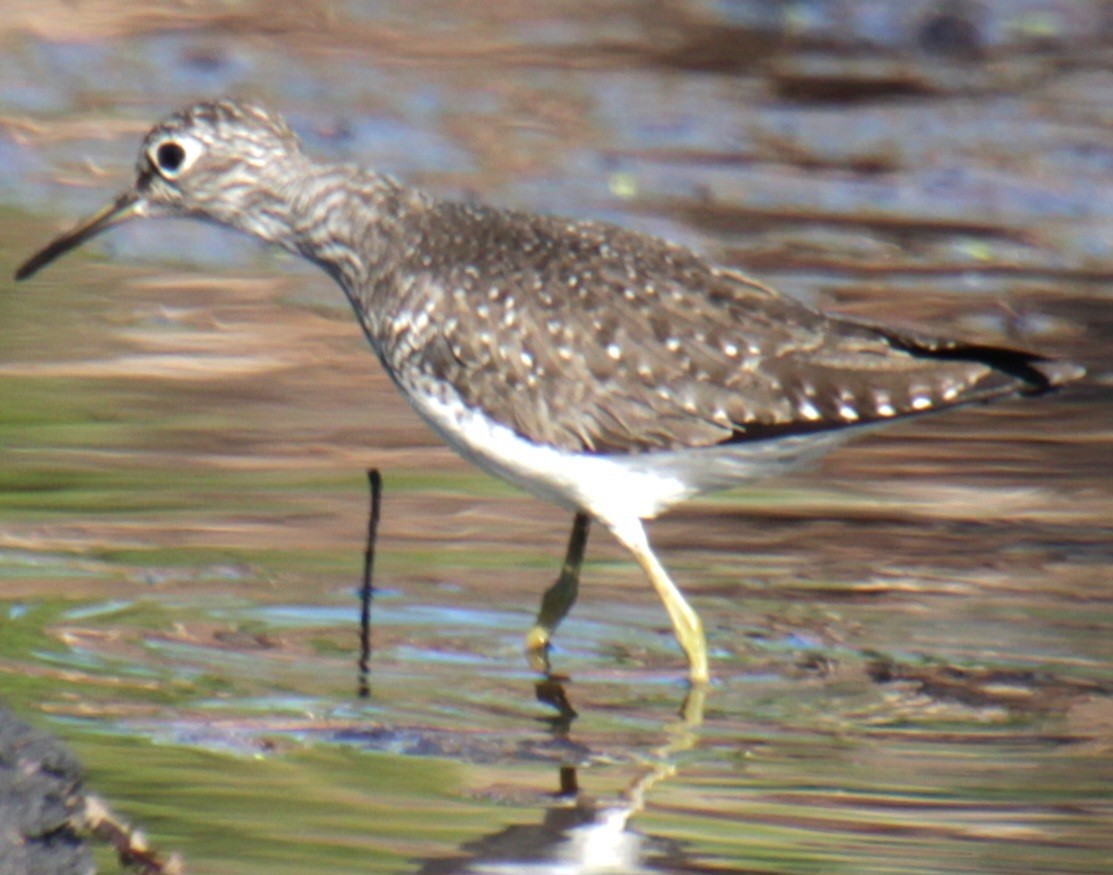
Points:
(580, 835)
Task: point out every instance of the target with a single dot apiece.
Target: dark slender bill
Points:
(128, 205)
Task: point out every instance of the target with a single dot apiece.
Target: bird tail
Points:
(1057, 373)
(1037, 374)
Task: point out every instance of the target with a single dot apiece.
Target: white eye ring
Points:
(173, 156)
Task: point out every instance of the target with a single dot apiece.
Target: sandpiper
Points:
(607, 371)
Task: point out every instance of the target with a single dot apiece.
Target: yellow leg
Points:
(559, 598)
(686, 623)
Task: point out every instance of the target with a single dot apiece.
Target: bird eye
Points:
(172, 157)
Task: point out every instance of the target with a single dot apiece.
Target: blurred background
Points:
(911, 642)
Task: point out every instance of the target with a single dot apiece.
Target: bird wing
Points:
(585, 337)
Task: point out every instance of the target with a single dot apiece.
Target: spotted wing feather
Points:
(587, 337)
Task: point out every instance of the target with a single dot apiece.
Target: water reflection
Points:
(578, 834)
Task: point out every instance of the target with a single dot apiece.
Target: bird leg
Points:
(559, 598)
(686, 623)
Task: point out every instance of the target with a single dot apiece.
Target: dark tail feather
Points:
(1037, 373)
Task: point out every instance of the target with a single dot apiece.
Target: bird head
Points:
(226, 162)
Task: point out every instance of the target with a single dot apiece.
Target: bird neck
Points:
(345, 219)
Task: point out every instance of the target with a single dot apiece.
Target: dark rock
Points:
(40, 796)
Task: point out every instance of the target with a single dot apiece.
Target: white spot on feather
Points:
(809, 411)
(884, 404)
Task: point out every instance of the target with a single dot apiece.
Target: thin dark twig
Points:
(376, 481)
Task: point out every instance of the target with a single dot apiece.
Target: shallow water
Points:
(910, 643)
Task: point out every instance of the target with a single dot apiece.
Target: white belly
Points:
(610, 487)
